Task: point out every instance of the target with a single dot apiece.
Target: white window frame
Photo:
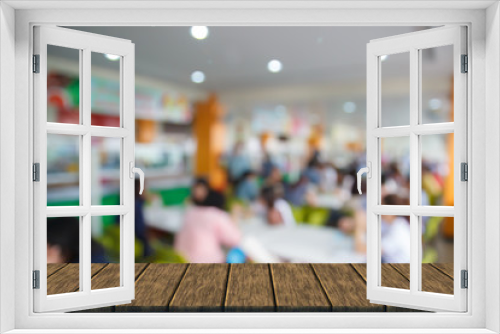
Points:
(483, 121)
(85, 44)
(412, 44)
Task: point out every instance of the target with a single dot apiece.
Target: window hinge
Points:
(465, 279)
(36, 279)
(465, 64)
(36, 63)
(36, 172)
(464, 171)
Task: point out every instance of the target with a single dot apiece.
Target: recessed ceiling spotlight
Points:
(349, 107)
(197, 77)
(274, 66)
(384, 57)
(199, 32)
(111, 57)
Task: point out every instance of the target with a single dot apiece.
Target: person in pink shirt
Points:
(206, 228)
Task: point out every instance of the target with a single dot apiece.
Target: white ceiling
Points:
(235, 58)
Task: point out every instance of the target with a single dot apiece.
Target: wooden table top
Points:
(283, 287)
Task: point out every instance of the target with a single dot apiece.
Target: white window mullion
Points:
(127, 108)
(86, 261)
(414, 172)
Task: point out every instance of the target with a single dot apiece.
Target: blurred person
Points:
(432, 184)
(237, 163)
(299, 193)
(140, 222)
(275, 178)
(328, 177)
(312, 170)
(267, 165)
(395, 235)
(351, 225)
(277, 210)
(247, 188)
(63, 242)
(206, 228)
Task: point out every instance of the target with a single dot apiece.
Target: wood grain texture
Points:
(155, 287)
(67, 279)
(390, 276)
(250, 289)
(54, 267)
(245, 287)
(434, 280)
(108, 277)
(202, 289)
(394, 277)
(345, 289)
(446, 268)
(139, 268)
(297, 289)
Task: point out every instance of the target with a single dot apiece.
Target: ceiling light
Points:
(197, 77)
(349, 107)
(384, 57)
(274, 66)
(111, 57)
(199, 32)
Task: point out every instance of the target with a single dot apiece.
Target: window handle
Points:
(135, 170)
(368, 171)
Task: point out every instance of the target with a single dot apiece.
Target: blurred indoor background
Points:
(250, 139)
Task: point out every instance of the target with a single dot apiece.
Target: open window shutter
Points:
(421, 271)
(79, 290)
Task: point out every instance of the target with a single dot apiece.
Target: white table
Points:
(168, 219)
(303, 243)
(329, 201)
(299, 244)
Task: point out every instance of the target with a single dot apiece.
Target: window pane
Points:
(63, 255)
(395, 169)
(395, 89)
(437, 170)
(395, 251)
(437, 254)
(105, 174)
(63, 167)
(437, 84)
(63, 85)
(106, 236)
(105, 89)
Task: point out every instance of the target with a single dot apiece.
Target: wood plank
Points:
(433, 280)
(446, 268)
(155, 287)
(297, 289)
(108, 277)
(67, 279)
(250, 289)
(52, 268)
(345, 288)
(202, 289)
(139, 267)
(390, 277)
